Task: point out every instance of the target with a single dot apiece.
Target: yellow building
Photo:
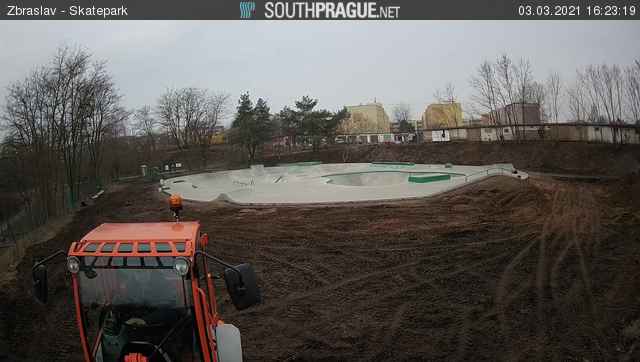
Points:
(366, 118)
(442, 115)
(217, 139)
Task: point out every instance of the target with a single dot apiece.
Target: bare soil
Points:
(499, 270)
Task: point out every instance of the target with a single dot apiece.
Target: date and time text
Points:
(578, 11)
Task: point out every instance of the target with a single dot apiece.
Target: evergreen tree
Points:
(252, 125)
(313, 124)
(263, 124)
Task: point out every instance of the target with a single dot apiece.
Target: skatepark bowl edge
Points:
(318, 183)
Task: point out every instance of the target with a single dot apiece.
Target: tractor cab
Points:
(144, 292)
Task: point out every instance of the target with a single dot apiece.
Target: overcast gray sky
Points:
(340, 63)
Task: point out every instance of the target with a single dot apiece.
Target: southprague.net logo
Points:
(247, 8)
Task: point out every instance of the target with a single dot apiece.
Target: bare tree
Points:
(187, 114)
(402, 115)
(485, 96)
(553, 90)
(446, 95)
(170, 116)
(107, 114)
(507, 89)
(56, 119)
(146, 126)
(528, 91)
(402, 112)
(632, 91)
(577, 101)
(605, 89)
(216, 109)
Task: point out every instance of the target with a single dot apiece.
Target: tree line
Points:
(189, 118)
(597, 94)
(58, 120)
(66, 117)
(304, 123)
(61, 119)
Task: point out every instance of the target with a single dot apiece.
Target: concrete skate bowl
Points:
(385, 178)
(317, 183)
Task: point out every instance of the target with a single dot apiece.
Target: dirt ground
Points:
(500, 270)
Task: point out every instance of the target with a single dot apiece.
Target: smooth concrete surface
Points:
(374, 178)
(327, 183)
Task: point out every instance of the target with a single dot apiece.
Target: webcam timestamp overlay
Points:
(596, 10)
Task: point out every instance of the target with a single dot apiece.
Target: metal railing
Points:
(487, 172)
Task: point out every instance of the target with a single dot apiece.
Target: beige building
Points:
(366, 118)
(442, 115)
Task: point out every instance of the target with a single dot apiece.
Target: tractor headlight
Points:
(181, 265)
(73, 264)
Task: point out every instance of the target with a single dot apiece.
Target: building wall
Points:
(554, 132)
(629, 135)
(473, 134)
(517, 113)
(599, 134)
(442, 115)
(367, 118)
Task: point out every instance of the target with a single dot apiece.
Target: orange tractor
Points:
(144, 292)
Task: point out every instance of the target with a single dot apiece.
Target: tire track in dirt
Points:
(388, 335)
(325, 289)
(553, 278)
(396, 321)
(464, 339)
(504, 297)
(363, 277)
(311, 272)
(523, 287)
(305, 334)
(542, 270)
(429, 281)
(505, 279)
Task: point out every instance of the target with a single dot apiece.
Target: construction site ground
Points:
(504, 269)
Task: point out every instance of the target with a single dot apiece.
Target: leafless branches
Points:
(57, 118)
(599, 93)
(577, 102)
(499, 86)
(189, 115)
(402, 112)
(632, 91)
(145, 126)
(553, 90)
(446, 95)
(603, 85)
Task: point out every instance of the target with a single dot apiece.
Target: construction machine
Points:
(145, 292)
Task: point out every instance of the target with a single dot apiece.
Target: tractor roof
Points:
(139, 239)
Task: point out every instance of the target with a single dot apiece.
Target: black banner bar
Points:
(381, 10)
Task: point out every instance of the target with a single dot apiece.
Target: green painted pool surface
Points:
(423, 179)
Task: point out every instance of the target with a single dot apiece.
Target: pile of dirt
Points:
(560, 157)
